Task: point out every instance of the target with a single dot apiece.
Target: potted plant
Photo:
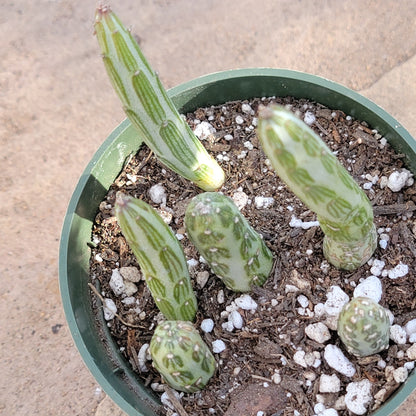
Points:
(99, 351)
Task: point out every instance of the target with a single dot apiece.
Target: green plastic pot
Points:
(97, 349)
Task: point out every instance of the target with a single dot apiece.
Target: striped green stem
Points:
(234, 251)
(181, 356)
(313, 173)
(149, 108)
(160, 256)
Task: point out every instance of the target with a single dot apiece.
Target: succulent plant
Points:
(160, 256)
(148, 106)
(364, 327)
(181, 356)
(236, 253)
(313, 173)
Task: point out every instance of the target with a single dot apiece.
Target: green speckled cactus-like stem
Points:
(313, 173)
(235, 252)
(148, 106)
(181, 356)
(364, 327)
(160, 256)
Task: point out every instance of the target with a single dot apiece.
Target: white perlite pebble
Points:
(398, 180)
(207, 325)
(411, 352)
(398, 334)
(383, 244)
(246, 302)
(202, 278)
(248, 145)
(227, 326)
(299, 358)
(377, 267)
(390, 315)
(240, 199)
(157, 194)
(142, 357)
(409, 366)
(370, 288)
(303, 301)
(246, 108)
(131, 273)
(336, 359)
(203, 130)
(383, 182)
(329, 384)
(309, 118)
(239, 120)
(318, 332)
(236, 319)
(319, 408)
(263, 202)
(291, 289)
(340, 403)
(319, 310)
(400, 270)
(110, 309)
(400, 374)
(192, 263)
(129, 288)
(410, 327)
(336, 299)
(297, 223)
(165, 213)
(218, 346)
(131, 300)
(358, 396)
(117, 283)
(307, 359)
(276, 377)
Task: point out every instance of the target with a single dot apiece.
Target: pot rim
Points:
(184, 95)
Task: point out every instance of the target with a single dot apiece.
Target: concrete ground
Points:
(56, 107)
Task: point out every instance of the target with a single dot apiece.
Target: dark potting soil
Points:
(256, 371)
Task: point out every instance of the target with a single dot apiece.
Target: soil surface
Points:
(257, 363)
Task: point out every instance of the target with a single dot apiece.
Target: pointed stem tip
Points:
(102, 11)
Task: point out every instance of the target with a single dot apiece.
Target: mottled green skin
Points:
(234, 251)
(181, 356)
(160, 256)
(313, 173)
(148, 106)
(364, 327)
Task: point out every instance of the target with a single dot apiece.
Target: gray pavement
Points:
(56, 107)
